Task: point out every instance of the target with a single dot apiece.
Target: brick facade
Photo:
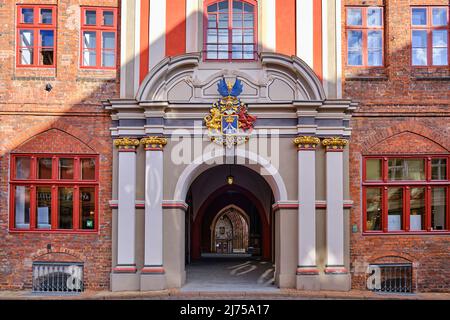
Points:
(68, 119)
(403, 110)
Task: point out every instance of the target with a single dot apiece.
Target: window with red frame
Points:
(230, 30)
(406, 194)
(54, 192)
(430, 36)
(364, 28)
(99, 38)
(36, 36)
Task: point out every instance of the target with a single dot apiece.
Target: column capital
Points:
(126, 144)
(154, 143)
(306, 142)
(335, 144)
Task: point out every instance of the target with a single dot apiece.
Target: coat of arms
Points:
(228, 121)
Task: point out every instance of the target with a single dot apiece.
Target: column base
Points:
(336, 278)
(308, 278)
(152, 281)
(286, 281)
(124, 281)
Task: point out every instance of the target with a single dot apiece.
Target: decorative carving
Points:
(306, 142)
(154, 142)
(335, 143)
(126, 143)
(228, 121)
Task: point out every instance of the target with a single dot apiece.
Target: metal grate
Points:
(58, 277)
(393, 278)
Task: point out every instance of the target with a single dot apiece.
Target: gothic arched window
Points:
(230, 30)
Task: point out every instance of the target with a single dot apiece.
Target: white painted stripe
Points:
(338, 50)
(123, 46)
(157, 33)
(137, 44)
(268, 25)
(305, 32)
(325, 53)
(193, 14)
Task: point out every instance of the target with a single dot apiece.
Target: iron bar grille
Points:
(58, 277)
(395, 278)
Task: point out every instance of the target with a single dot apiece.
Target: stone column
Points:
(124, 273)
(339, 278)
(153, 275)
(307, 271)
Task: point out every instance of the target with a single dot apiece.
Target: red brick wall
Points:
(73, 110)
(403, 110)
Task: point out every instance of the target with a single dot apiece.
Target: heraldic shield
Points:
(228, 121)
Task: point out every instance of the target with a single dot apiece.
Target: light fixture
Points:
(230, 178)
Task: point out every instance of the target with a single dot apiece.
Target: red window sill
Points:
(18, 231)
(405, 233)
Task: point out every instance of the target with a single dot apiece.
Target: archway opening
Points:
(229, 230)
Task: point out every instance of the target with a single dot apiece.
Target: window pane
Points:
(248, 21)
(108, 18)
(355, 48)
(87, 208)
(373, 169)
(44, 168)
(66, 168)
(237, 7)
(47, 38)
(223, 21)
(212, 8)
(354, 17)
(237, 51)
(44, 207)
(237, 36)
(440, 56)
(89, 39)
(23, 168)
(223, 52)
(419, 57)
(248, 36)
(212, 36)
(248, 8)
(46, 16)
(212, 21)
(440, 38)
(419, 39)
(108, 58)
(89, 58)
(108, 40)
(417, 209)
(419, 16)
(46, 56)
(22, 207)
(374, 17)
(438, 208)
(406, 169)
(373, 208)
(439, 169)
(237, 21)
(27, 15)
(223, 6)
(87, 169)
(223, 35)
(395, 209)
(439, 16)
(375, 58)
(65, 208)
(249, 51)
(91, 17)
(374, 40)
(26, 38)
(211, 52)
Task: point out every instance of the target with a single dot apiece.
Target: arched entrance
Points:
(229, 227)
(230, 231)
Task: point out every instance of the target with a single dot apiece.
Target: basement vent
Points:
(58, 277)
(391, 278)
